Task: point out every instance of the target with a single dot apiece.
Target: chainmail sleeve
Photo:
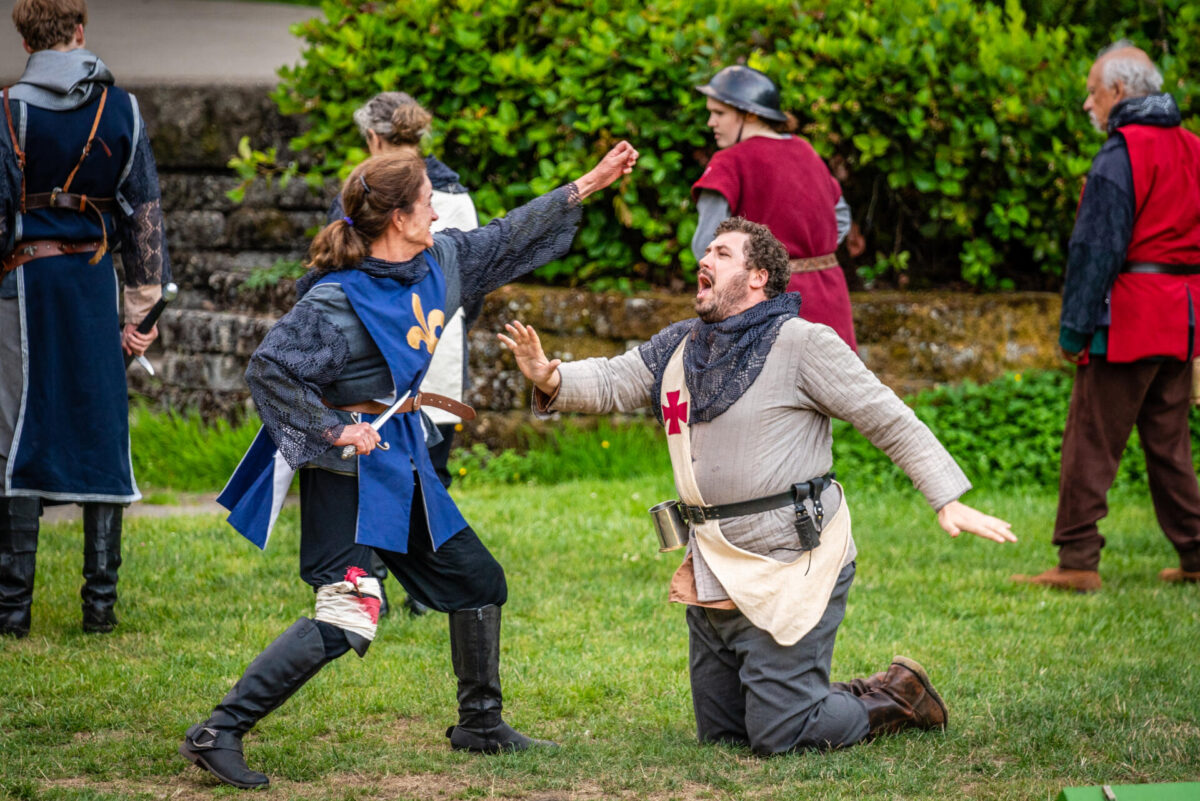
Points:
(302, 353)
(528, 237)
(141, 231)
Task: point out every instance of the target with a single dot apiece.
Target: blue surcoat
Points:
(405, 322)
(70, 437)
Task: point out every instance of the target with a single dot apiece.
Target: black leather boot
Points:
(101, 560)
(216, 744)
(18, 559)
(475, 653)
(415, 607)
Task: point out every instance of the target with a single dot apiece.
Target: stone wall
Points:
(910, 339)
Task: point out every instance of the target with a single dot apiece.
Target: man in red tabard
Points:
(767, 175)
(1130, 307)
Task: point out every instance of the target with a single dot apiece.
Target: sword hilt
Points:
(169, 293)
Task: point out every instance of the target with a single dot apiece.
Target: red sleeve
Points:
(721, 175)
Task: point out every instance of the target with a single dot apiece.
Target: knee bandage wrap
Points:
(351, 604)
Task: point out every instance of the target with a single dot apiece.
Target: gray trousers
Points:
(749, 690)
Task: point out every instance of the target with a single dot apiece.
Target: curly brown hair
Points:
(762, 251)
(44, 24)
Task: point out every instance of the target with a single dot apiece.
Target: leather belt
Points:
(43, 248)
(1167, 269)
(812, 264)
(70, 200)
(411, 405)
(697, 515)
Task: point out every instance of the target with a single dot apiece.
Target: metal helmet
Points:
(746, 89)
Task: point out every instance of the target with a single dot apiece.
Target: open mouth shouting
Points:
(704, 285)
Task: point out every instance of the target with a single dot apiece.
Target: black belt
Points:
(1148, 267)
(812, 488)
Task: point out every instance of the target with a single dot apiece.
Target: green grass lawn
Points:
(1045, 690)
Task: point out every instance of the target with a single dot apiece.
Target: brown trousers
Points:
(1107, 401)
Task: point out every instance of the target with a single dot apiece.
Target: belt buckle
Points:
(29, 250)
(694, 514)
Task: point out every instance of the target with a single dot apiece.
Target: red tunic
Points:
(1154, 314)
(784, 185)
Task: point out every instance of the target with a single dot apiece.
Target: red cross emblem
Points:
(674, 413)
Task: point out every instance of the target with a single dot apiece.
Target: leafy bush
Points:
(1004, 434)
(958, 123)
(962, 130)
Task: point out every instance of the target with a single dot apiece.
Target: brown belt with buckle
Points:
(43, 248)
(411, 405)
(70, 200)
(811, 265)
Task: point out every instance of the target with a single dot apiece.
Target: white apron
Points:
(785, 599)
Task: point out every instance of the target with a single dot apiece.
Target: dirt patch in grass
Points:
(192, 785)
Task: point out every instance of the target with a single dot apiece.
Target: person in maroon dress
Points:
(769, 176)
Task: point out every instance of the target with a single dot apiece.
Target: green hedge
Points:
(958, 124)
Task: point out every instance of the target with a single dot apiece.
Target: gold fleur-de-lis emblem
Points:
(425, 331)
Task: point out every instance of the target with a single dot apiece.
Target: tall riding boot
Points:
(101, 560)
(904, 699)
(857, 687)
(475, 652)
(18, 558)
(286, 664)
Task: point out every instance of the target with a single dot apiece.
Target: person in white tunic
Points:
(746, 393)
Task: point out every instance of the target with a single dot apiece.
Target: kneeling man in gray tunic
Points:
(746, 392)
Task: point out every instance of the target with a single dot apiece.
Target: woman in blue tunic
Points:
(360, 337)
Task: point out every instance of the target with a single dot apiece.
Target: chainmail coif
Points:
(722, 359)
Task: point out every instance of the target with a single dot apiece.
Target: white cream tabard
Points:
(785, 599)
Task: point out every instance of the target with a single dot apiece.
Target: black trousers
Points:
(461, 574)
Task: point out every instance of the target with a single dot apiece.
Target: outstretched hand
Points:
(616, 162)
(523, 341)
(956, 517)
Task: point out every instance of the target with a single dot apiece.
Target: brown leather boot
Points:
(857, 687)
(1174, 575)
(1063, 578)
(904, 699)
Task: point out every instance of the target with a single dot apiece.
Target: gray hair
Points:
(1140, 77)
(379, 115)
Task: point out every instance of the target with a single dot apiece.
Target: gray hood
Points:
(61, 81)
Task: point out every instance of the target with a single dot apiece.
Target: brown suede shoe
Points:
(1174, 575)
(904, 699)
(1063, 578)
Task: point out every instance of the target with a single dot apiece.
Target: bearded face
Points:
(721, 295)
